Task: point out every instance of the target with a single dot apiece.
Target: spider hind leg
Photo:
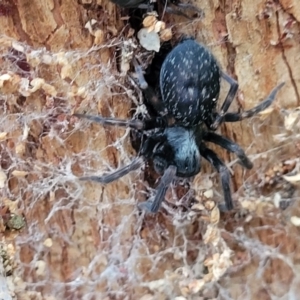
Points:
(218, 118)
(230, 146)
(235, 117)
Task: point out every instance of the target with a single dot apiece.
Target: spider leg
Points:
(157, 122)
(139, 73)
(212, 157)
(234, 117)
(178, 12)
(148, 6)
(149, 92)
(190, 7)
(230, 146)
(153, 205)
(227, 102)
(146, 152)
(134, 165)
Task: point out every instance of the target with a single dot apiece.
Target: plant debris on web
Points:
(153, 33)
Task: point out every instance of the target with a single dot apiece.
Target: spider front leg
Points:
(230, 146)
(142, 83)
(150, 150)
(153, 205)
(146, 152)
(219, 165)
(157, 122)
(134, 165)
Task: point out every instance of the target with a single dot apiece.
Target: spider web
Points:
(82, 240)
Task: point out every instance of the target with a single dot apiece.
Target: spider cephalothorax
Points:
(186, 119)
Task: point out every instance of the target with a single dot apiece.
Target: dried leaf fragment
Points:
(127, 54)
(147, 297)
(61, 58)
(184, 290)
(17, 46)
(266, 111)
(210, 204)
(217, 265)
(155, 284)
(9, 83)
(3, 78)
(211, 260)
(39, 83)
(89, 26)
(293, 178)
(81, 92)
(99, 37)
(149, 40)
(113, 30)
(277, 200)
(149, 21)
(66, 71)
(24, 87)
(20, 149)
(36, 84)
(6, 41)
(40, 267)
(196, 285)
(12, 205)
(198, 206)
(215, 215)
(222, 264)
(209, 194)
(249, 205)
(3, 135)
(47, 59)
(48, 243)
(290, 120)
(295, 221)
(49, 89)
(166, 34)
(25, 132)
(151, 28)
(212, 235)
(3, 178)
(177, 254)
(159, 25)
(18, 173)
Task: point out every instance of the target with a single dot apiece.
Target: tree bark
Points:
(83, 240)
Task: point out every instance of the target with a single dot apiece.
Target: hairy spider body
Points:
(190, 83)
(186, 118)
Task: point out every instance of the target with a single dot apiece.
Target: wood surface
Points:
(83, 240)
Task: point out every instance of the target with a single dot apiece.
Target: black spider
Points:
(174, 140)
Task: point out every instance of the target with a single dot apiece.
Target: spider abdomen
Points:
(190, 83)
